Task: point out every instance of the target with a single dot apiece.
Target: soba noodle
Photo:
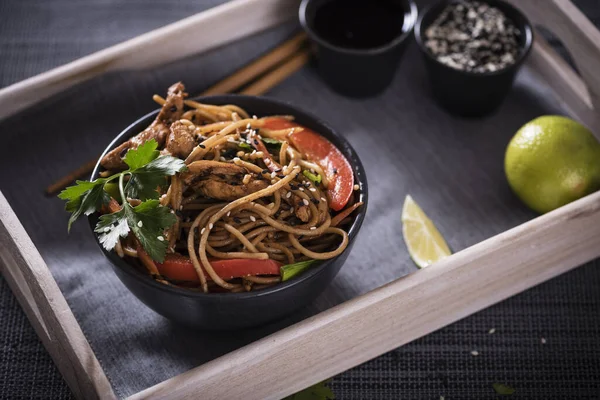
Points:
(260, 225)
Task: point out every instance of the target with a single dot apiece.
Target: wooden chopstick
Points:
(76, 174)
(276, 66)
(280, 73)
(258, 67)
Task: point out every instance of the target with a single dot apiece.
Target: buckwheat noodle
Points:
(287, 219)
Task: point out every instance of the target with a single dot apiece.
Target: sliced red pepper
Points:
(180, 268)
(320, 150)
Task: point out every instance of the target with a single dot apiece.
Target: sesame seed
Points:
(356, 187)
(543, 340)
(228, 213)
(273, 174)
(254, 117)
(210, 226)
(253, 152)
(231, 140)
(305, 202)
(492, 331)
(291, 209)
(312, 189)
(271, 205)
(474, 353)
(160, 238)
(288, 195)
(202, 231)
(140, 224)
(236, 159)
(222, 158)
(312, 228)
(301, 189)
(323, 198)
(273, 181)
(252, 218)
(248, 125)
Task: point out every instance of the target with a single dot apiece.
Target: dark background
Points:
(36, 36)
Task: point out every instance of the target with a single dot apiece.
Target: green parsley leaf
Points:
(503, 389)
(111, 227)
(291, 270)
(145, 180)
(147, 221)
(320, 391)
(273, 143)
(146, 152)
(314, 178)
(245, 146)
(80, 187)
(84, 198)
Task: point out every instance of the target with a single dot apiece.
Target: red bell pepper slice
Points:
(320, 150)
(180, 268)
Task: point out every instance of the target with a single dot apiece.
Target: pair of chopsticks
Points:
(255, 79)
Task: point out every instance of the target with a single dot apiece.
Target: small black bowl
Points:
(212, 311)
(465, 93)
(358, 72)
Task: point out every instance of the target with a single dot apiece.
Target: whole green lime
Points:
(552, 161)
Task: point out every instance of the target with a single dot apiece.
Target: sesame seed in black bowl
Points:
(473, 51)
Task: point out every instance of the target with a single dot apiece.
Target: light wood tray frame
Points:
(340, 338)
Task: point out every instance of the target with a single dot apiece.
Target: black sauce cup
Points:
(472, 94)
(221, 311)
(358, 72)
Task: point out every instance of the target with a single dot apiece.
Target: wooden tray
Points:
(332, 341)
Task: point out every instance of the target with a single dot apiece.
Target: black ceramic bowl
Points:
(237, 310)
(472, 94)
(358, 72)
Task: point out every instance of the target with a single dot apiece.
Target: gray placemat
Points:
(401, 136)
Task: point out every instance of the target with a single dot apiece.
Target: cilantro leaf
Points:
(147, 221)
(144, 180)
(503, 389)
(314, 178)
(320, 391)
(80, 187)
(84, 198)
(111, 227)
(146, 152)
(273, 143)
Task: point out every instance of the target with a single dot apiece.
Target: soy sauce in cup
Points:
(359, 42)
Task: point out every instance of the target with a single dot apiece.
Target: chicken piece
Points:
(158, 130)
(301, 210)
(220, 190)
(180, 141)
(221, 181)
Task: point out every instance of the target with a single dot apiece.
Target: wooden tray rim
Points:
(536, 250)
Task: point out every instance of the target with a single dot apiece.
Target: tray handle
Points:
(579, 93)
(38, 294)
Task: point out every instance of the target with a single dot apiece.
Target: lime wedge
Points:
(425, 243)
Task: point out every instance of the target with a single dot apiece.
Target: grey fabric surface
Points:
(453, 167)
